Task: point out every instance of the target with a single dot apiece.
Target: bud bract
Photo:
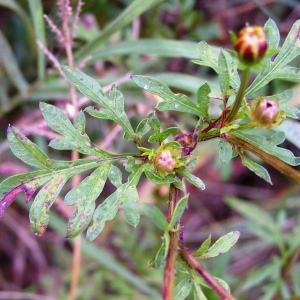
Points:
(266, 113)
(251, 44)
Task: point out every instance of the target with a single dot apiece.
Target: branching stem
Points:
(210, 280)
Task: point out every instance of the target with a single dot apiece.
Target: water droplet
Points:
(176, 105)
(146, 87)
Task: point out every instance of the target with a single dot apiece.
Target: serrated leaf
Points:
(26, 150)
(261, 142)
(203, 98)
(39, 210)
(256, 168)
(74, 138)
(107, 210)
(178, 211)
(29, 182)
(222, 245)
(203, 248)
(182, 289)
(171, 101)
(196, 181)
(152, 212)
(85, 195)
(112, 106)
(289, 50)
(208, 56)
(225, 151)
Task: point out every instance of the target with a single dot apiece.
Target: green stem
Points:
(170, 268)
(239, 98)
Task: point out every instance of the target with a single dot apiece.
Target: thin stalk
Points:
(68, 41)
(210, 280)
(170, 268)
(239, 98)
(271, 160)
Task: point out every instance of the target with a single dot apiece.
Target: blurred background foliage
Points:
(160, 42)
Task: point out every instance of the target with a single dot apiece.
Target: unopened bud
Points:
(165, 161)
(251, 44)
(266, 113)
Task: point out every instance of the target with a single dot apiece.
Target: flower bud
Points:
(165, 161)
(251, 44)
(265, 113)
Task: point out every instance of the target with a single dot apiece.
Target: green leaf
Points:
(222, 245)
(10, 64)
(167, 132)
(191, 178)
(198, 293)
(224, 77)
(262, 142)
(225, 151)
(291, 130)
(126, 17)
(132, 217)
(160, 47)
(158, 261)
(151, 211)
(26, 150)
(256, 168)
(107, 210)
(253, 213)
(154, 177)
(112, 106)
(208, 56)
(144, 126)
(182, 289)
(178, 211)
(27, 183)
(273, 35)
(74, 138)
(171, 101)
(289, 50)
(222, 63)
(39, 211)
(85, 195)
(203, 248)
(203, 98)
(36, 10)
